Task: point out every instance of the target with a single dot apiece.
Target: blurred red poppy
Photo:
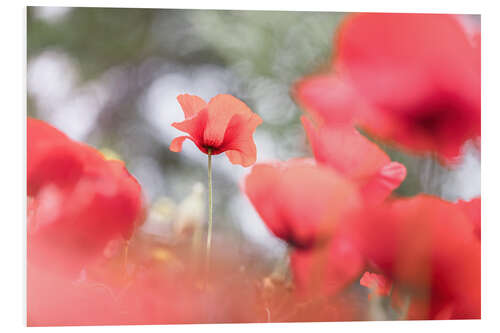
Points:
(78, 201)
(411, 79)
(427, 247)
(225, 124)
(351, 154)
(300, 202)
(422, 75)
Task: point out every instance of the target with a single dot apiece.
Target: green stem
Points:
(210, 222)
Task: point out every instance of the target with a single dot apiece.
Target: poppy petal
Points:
(327, 269)
(38, 130)
(299, 202)
(345, 150)
(176, 144)
(384, 182)
(221, 110)
(191, 104)
(327, 195)
(194, 126)
(261, 186)
(51, 157)
(238, 142)
(328, 99)
(390, 56)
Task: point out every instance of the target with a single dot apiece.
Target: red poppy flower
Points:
(225, 124)
(78, 200)
(351, 154)
(300, 203)
(329, 269)
(427, 247)
(420, 73)
(412, 79)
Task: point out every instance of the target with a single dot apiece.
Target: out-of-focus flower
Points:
(473, 210)
(225, 124)
(427, 247)
(421, 73)
(300, 202)
(79, 201)
(412, 79)
(351, 154)
(51, 158)
(329, 269)
(377, 282)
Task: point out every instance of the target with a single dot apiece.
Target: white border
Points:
(13, 105)
(429, 6)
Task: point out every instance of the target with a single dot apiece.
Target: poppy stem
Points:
(210, 222)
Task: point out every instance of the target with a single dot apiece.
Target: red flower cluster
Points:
(225, 124)
(77, 200)
(398, 77)
(306, 204)
(412, 79)
(428, 248)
